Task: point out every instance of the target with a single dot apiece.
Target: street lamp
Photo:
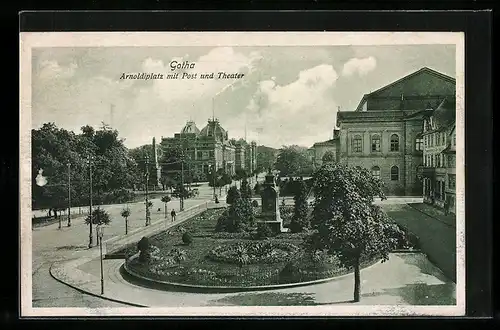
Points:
(100, 234)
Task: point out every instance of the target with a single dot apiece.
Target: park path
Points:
(406, 279)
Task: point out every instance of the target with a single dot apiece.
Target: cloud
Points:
(301, 112)
(53, 70)
(361, 66)
(222, 59)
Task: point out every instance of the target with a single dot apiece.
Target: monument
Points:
(270, 215)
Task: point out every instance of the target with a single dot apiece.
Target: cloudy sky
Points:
(289, 95)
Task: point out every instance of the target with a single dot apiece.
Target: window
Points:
(418, 144)
(211, 154)
(432, 140)
(375, 143)
(199, 155)
(425, 140)
(438, 160)
(356, 144)
(394, 142)
(451, 181)
(394, 173)
(376, 172)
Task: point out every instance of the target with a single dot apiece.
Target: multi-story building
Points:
(209, 148)
(439, 155)
(384, 133)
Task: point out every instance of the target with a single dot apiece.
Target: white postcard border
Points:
(28, 41)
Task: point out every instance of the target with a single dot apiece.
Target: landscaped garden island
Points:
(227, 247)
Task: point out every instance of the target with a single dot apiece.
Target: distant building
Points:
(210, 148)
(384, 133)
(319, 149)
(439, 155)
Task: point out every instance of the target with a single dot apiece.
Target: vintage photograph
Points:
(252, 174)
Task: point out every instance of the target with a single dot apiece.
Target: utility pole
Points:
(69, 194)
(90, 209)
(147, 197)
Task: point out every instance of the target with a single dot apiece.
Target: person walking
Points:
(173, 214)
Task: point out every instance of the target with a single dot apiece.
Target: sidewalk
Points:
(406, 279)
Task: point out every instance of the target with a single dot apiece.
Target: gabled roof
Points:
(422, 70)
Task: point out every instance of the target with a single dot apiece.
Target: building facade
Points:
(209, 148)
(319, 149)
(439, 178)
(384, 133)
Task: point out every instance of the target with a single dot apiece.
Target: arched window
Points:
(394, 142)
(375, 143)
(394, 173)
(356, 143)
(376, 172)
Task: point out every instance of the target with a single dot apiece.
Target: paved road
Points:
(437, 239)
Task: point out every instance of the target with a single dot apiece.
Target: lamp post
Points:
(147, 192)
(90, 158)
(69, 194)
(100, 234)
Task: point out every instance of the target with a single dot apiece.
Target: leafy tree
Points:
(293, 161)
(240, 174)
(300, 219)
(246, 191)
(126, 213)
(232, 195)
(328, 157)
(99, 217)
(165, 199)
(347, 222)
(266, 157)
(181, 191)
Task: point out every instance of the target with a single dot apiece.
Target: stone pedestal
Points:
(270, 215)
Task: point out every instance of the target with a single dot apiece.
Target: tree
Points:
(246, 191)
(293, 161)
(266, 157)
(232, 195)
(126, 213)
(347, 222)
(181, 191)
(328, 157)
(240, 174)
(300, 219)
(165, 199)
(99, 217)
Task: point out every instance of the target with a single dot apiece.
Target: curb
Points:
(233, 289)
(91, 293)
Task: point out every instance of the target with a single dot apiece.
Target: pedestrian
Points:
(173, 215)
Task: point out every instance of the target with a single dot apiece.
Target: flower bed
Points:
(253, 252)
(229, 259)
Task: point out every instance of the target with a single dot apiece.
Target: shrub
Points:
(187, 238)
(291, 269)
(232, 195)
(255, 203)
(144, 247)
(264, 231)
(261, 252)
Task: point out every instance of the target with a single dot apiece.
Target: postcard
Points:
(242, 174)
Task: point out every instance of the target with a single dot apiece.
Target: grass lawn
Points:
(437, 239)
(199, 269)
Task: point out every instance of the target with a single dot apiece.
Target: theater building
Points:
(384, 133)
